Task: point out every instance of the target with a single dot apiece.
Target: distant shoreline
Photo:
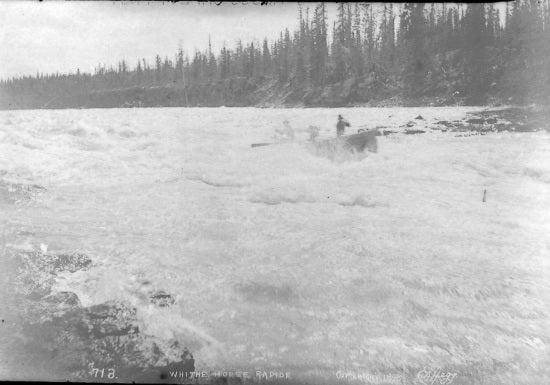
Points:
(490, 118)
(245, 92)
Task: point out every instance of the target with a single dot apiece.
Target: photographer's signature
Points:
(435, 376)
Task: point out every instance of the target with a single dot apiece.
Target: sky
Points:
(62, 36)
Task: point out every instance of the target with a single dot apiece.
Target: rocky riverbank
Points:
(490, 120)
(100, 343)
(251, 92)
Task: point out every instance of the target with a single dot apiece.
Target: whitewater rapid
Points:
(279, 257)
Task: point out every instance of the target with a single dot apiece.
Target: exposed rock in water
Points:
(36, 272)
(412, 132)
(107, 336)
(410, 124)
(445, 123)
(63, 298)
(518, 119)
(78, 342)
(475, 121)
(110, 319)
(185, 364)
(72, 262)
(419, 117)
(33, 284)
(460, 127)
(162, 299)
(55, 263)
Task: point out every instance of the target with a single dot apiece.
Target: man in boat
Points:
(341, 126)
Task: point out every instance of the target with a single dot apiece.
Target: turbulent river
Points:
(432, 252)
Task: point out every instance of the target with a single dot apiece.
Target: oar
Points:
(273, 144)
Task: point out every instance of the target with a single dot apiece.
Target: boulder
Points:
(55, 263)
(445, 123)
(106, 336)
(111, 318)
(413, 132)
(86, 343)
(71, 262)
(475, 121)
(63, 298)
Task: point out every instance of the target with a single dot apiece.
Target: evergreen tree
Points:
(436, 50)
(319, 49)
(416, 65)
(158, 64)
(266, 59)
(474, 53)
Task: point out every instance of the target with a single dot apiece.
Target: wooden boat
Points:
(365, 140)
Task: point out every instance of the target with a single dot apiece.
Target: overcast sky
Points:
(63, 36)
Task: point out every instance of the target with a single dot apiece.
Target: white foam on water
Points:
(258, 244)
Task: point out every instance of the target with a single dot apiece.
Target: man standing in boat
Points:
(341, 126)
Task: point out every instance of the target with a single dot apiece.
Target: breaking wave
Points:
(216, 181)
(362, 201)
(275, 197)
(536, 173)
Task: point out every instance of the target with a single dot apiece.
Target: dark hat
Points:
(340, 117)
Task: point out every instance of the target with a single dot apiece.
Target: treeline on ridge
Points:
(436, 54)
